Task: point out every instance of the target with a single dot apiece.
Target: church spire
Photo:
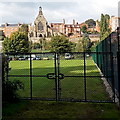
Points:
(40, 10)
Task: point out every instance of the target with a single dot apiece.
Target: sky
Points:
(19, 11)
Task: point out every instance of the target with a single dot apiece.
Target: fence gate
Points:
(63, 76)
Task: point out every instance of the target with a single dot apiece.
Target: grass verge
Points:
(55, 110)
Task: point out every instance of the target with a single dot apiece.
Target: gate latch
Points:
(61, 76)
(51, 75)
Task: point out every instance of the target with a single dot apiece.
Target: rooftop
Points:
(9, 25)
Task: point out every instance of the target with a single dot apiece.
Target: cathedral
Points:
(40, 29)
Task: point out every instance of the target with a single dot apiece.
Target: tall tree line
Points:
(104, 26)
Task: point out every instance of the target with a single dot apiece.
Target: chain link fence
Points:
(110, 44)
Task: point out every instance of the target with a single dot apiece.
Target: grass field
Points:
(71, 87)
(38, 110)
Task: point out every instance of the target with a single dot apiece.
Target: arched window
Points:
(40, 26)
(31, 34)
(40, 35)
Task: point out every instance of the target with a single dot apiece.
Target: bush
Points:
(36, 46)
(9, 88)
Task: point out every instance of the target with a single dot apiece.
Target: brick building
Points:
(73, 29)
(9, 28)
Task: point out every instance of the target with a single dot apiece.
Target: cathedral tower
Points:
(40, 28)
(40, 25)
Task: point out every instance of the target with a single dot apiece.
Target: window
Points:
(40, 35)
(40, 26)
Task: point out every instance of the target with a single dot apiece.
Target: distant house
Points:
(1, 38)
(114, 23)
(9, 28)
(94, 37)
(67, 29)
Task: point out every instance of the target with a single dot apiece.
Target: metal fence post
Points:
(118, 62)
(85, 76)
(56, 86)
(58, 70)
(112, 73)
(1, 78)
(118, 37)
(97, 56)
(110, 43)
(30, 77)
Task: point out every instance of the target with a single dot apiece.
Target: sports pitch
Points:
(70, 87)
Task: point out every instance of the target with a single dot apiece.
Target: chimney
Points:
(73, 22)
(6, 24)
(63, 21)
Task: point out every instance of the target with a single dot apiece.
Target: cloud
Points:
(16, 12)
(80, 10)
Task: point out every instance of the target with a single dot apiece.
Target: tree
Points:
(90, 22)
(79, 46)
(104, 26)
(17, 43)
(84, 29)
(1, 35)
(42, 43)
(61, 44)
(24, 28)
(86, 43)
(36, 45)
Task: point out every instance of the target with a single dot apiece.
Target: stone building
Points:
(114, 23)
(40, 29)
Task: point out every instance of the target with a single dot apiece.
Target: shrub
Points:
(9, 88)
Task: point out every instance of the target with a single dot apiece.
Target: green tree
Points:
(90, 22)
(86, 43)
(104, 26)
(79, 47)
(1, 35)
(61, 44)
(24, 28)
(47, 45)
(42, 43)
(84, 29)
(36, 46)
(6, 44)
(17, 43)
